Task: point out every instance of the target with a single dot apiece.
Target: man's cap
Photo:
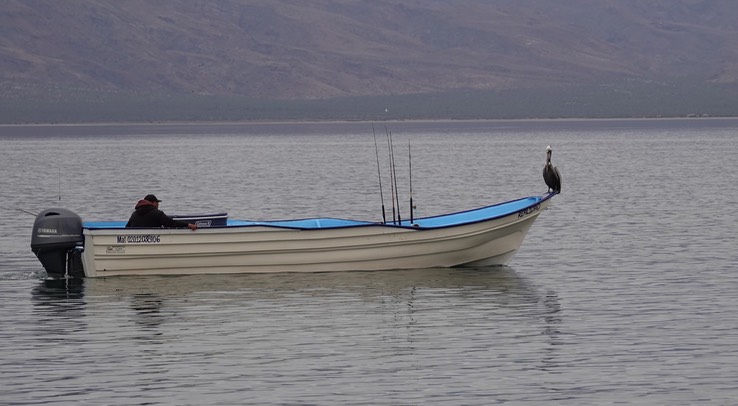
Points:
(151, 198)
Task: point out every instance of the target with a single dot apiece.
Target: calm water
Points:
(623, 292)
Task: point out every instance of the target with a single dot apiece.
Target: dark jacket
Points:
(146, 215)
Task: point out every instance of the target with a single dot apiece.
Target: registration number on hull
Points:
(139, 239)
(529, 210)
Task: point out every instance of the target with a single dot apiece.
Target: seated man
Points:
(147, 214)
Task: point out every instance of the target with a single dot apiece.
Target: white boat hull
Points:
(264, 249)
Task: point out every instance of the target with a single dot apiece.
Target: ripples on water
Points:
(624, 290)
(346, 338)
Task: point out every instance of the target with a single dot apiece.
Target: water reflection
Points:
(59, 307)
(504, 285)
(404, 323)
(403, 304)
(396, 289)
(147, 309)
(53, 291)
(552, 321)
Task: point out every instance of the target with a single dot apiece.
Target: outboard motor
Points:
(56, 234)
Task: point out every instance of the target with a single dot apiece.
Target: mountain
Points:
(311, 56)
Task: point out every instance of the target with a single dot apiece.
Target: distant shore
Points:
(309, 122)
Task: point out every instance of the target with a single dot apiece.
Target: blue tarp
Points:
(446, 220)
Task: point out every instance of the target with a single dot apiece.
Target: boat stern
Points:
(57, 240)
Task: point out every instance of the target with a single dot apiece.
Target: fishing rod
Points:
(392, 180)
(410, 171)
(28, 212)
(379, 175)
(394, 175)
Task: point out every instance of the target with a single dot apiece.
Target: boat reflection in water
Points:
(495, 287)
(397, 313)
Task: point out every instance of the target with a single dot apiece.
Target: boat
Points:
(68, 247)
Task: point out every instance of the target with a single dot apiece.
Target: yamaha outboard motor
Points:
(56, 234)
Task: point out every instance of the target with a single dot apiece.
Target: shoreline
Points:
(315, 122)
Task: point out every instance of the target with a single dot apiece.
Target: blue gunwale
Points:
(434, 222)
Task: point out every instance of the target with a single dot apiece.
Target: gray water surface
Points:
(623, 292)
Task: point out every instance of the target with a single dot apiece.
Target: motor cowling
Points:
(56, 234)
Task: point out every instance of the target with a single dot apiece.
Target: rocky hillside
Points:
(320, 49)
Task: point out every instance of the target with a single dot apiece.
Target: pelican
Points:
(551, 174)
